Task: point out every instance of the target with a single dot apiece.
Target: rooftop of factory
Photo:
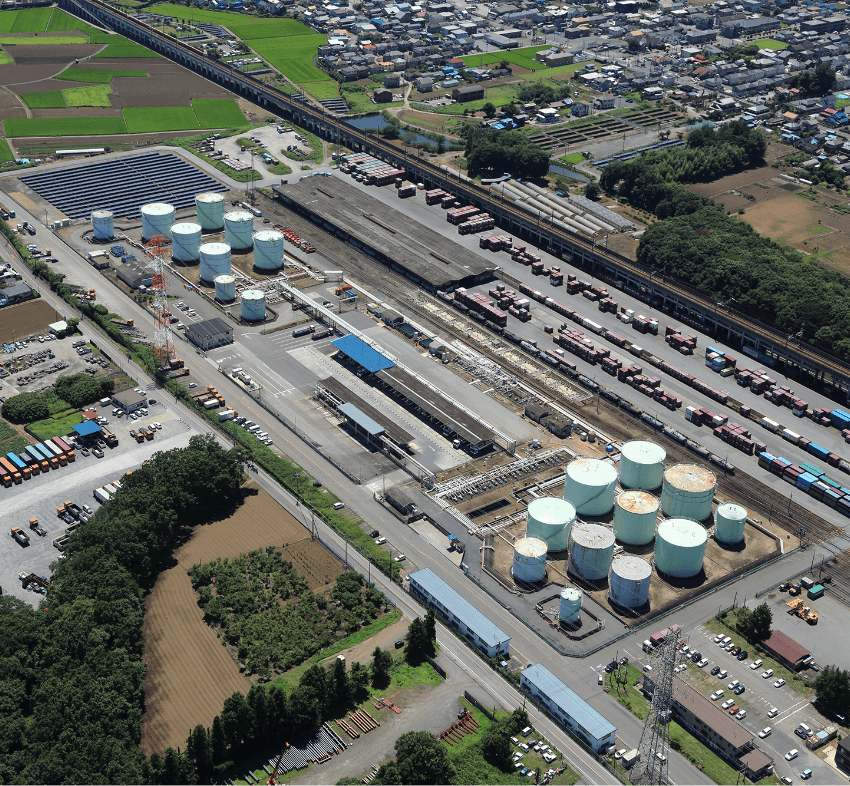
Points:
(489, 633)
(392, 234)
(209, 327)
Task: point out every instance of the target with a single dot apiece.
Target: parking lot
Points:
(40, 496)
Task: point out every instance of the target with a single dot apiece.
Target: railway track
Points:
(739, 486)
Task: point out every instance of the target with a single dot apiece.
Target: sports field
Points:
(769, 43)
(293, 56)
(217, 113)
(96, 75)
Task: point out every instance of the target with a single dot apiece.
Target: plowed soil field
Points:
(23, 319)
(190, 673)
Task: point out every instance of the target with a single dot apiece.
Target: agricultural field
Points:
(270, 28)
(50, 99)
(97, 75)
(6, 58)
(61, 126)
(321, 90)
(96, 95)
(5, 151)
(25, 318)
(293, 56)
(218, 113)
(143, 119)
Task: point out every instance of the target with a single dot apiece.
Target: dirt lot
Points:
(313, 561)
(190, 673)
(24, 319)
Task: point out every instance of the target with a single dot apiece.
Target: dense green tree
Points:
(80, 390)
(431, 631)
(349, 782)
(416, 641)
(25, 408)
(359, 678)
(592, 191)
(832, 687)
(341, 684)
(496, 746)
(489, 150)
(257, 701)
(382, 661)
(388, 774)
(762, 619)
(489, 109)
(422, 758)
(199, 753)
(218, 744)
(814, 83)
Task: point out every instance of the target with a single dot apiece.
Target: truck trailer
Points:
(101, 496)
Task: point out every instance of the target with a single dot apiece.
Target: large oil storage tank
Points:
(729, 523)
(239, 229)
(628, 581)
(688, 491)
(591, 550)
(215, 260)
(186, 242)
(569, 608)
(589, 484)
(268, 249)
(551, 520)
(529, 560)
(225, 288)
(642, 465)
(680, 547)
(254, 306)
(157, 219)
(635, 516)
(102, 224)
(210, 210)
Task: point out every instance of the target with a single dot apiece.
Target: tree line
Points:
(491, 150)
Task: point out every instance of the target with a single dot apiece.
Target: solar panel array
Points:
(122, 185)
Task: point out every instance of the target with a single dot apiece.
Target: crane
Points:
(272, 779)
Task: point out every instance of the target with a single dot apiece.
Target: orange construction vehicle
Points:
(272, 780)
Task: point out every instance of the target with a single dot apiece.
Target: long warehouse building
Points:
(459, 613)
(568, 708)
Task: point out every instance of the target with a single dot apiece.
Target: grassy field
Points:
(57, 426)
(147, 119)
(53, 39)
(64, 126)
(6, 58)
(521, 57)
(96, 75)
(96, 95)
(7, 19)
(32, 20)
(769, 43)
(293, 56)
(125, 49)
(60, 21)
(14, 445)
(321, 90)
(201, 15)
(5, 151)
(271, 28)
(217, 113)
(51, 99)
(573, 158)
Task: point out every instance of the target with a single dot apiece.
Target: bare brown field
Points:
(313, 561)
(189, 671)
(38, 56)
(24, 319)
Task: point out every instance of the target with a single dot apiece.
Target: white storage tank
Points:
(239, 229)
(186, 242)
(570, 605)
(268, 249)
(589, 484)
(209, 208)
(225, 288)
(688, 491)
(628, 581)
(254, 306)
(729, 523)
(635, 517)
(642, 465)
(529, 560)
(101, 222)
(157, 219)
(551, 519)
(680, 547)
(215, 260)
(591, 550)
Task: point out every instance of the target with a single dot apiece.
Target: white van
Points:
(804, 731)
(339, 505)
(726, 642)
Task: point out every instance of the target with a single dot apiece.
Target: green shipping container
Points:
(830, 482)
(816, 592)
(812, 469)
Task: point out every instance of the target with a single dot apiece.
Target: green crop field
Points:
(147, 119)
(124, 48)
(521, 57)
(31, 20)
(94, 95)
(5, 151)
(6, 58)
(321, 90)
(271, 28)
(96, 75)
(7, 21)
(218, 113)
(52, 99)
(293, 56)
(53, 39)
(61, 21)
(64, 126)
(201, 15)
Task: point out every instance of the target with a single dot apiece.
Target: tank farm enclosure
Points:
(628, 530)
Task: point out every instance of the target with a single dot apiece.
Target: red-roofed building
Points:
(787, 651)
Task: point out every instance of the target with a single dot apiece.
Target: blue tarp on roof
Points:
(87, 429)
(368, 425)
(360, 352)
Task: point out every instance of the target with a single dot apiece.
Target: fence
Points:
(475, 703)
(436, 666)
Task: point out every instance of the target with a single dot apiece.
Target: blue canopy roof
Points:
(87, 429)
(360, 352)
(359, 417)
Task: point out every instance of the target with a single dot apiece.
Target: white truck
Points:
(101, 496)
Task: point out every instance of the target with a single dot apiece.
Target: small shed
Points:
(401, 500)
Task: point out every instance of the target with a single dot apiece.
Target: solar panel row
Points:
(122, 185)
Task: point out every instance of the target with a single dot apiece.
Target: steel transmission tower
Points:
(163, 339)
(655, 740)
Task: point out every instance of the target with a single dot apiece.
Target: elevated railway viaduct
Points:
(763, 342)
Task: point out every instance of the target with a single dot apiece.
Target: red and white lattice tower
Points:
(163, 340)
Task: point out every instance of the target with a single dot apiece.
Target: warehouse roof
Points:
(87, 429)
(360, 352)
(568, 701)
(209, 327)
(128, 398)
(460, 607)
(711, 715)
(362, 420)
(786, 647)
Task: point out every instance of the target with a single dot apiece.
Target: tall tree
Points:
(199, 753)
(382, 661)
(832, 688)
(258, 702)
(341, 683)
(218, 744)
(359, 679)
(761, 621)
(416, 641)
(431, 631)
(496, 746)
(422, 758)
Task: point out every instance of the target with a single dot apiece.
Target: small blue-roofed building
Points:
(459, 613)
(361, 353)
(88, 431)
(361, 423)
(567, 707)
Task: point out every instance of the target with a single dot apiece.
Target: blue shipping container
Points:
(15, 459)
(805, 480)
(817, 450)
